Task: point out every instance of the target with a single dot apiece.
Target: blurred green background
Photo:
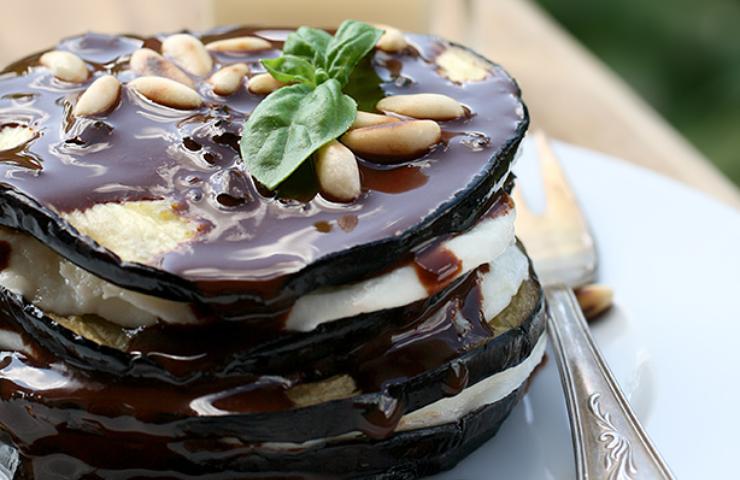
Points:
(683, 56)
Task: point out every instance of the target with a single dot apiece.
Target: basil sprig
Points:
(294, 121)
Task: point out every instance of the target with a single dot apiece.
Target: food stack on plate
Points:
(259, 253)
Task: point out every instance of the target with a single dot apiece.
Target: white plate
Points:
(672, 256)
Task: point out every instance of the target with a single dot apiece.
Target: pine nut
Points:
(13, 136)
(228, 80)
(147, 62)
(430, 106)
(239, 45)
(365, 119)
(337, 171)
(264, 83)
(167, 92)
(393, 141)
(594, 299)
(462, 66)
(392, 39)
(189, 53)
(99, 97)
(65, 66)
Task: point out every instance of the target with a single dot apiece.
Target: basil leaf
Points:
(309, 43)
(364, 86)
(291, 69)
(350, 44)
(290, 124)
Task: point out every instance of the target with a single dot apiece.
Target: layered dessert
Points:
(259, 253)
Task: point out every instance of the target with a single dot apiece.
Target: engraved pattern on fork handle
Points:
(608, 440)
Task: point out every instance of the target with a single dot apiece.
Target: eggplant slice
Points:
(403, 456)
(98, 402)
(81, 396)
(183, 354)
(44, 204)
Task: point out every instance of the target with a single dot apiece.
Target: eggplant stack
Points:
(164, 314)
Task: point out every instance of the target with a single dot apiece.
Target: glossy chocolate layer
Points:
(183, 353)
(406, 366)
(404, 456)
(253, 244)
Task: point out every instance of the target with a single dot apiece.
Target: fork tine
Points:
(558, 239)
(558, 194)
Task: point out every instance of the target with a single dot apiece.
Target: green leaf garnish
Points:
(292, 69)
(291, 123)
(364, 86)
(309, 43)
(350, 44)
(284, 131)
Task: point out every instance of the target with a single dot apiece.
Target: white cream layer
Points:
(482, 244)
(58, 286)
(485, 392)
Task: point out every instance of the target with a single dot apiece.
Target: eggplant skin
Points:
(404, 456)
(323, 420)
(416, 453)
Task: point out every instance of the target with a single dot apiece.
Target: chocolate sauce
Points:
(457, 379)
(428, 340)
(70, 421)
(379, 420)
(420, 341)
(502, 205)
(348, 222)
(436, 266)
(255, 239)
(392, 180)
(5, 250)
(323, 227)
(55, 413)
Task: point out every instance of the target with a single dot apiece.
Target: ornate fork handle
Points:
(609, 442)
(9, 461)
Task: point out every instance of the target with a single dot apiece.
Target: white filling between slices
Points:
(12, 342)
(485, 392)
(482, 244)
(58, 286)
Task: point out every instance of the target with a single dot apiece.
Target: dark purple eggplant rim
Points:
(405, 455)
(272, 357)
(21, 212)
(336, 417)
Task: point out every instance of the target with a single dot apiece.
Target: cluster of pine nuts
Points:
(167, 78)
(384, 138)
(406, 128)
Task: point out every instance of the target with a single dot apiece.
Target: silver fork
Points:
(608, 440)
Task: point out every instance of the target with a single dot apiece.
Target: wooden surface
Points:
(571, 95)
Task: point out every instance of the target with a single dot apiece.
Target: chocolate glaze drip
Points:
(425, 337)
(436, 266)
(438, 335)
(409, 455)
(252, 241)
(51, 409)
(420, 343)
(457, 379)
(5, 250)
(183, 353)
